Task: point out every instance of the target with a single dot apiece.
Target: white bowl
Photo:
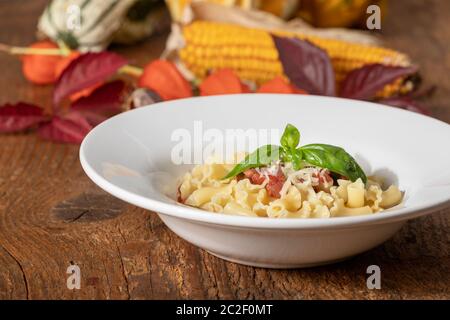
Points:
(129, 156)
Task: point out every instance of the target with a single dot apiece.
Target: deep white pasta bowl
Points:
(132, 157)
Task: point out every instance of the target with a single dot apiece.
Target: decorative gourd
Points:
(91, 25)
(337, 13)
(144, 18)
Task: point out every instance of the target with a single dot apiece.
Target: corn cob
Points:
(252, 53)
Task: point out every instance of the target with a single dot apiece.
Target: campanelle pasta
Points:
(310, 192)
(287, 181)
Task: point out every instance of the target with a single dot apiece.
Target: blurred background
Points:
(139, 30)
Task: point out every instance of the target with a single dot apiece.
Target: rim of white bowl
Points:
(202, 216)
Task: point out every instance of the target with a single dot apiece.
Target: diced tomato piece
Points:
(325, 180)
(323, 176)
(275, 184)
(254, 176)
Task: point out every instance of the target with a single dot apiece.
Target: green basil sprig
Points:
(290, 138)
(326, 156)
(289, 142)
(334, 159)
(262, 156)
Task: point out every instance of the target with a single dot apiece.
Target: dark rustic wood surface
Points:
(52, 215)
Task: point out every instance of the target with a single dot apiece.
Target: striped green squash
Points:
(84, 24)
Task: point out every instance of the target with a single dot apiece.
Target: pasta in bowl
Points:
(314, 181)
(130, 157)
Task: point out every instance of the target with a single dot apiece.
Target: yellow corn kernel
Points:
(252, 53)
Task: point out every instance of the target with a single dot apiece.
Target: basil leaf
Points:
(297, 161)
(262, 156)
(334, 159)
(290, 138)
(285, 155)
(292, 156)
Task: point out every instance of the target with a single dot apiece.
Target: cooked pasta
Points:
(287, 181)
(302, 194)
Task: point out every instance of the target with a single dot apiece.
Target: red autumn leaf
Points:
(71, 128)
(20, 116)
(363, 83)
(101, 104)
(423, 93)
(307, 66)
(406, 103)
(85, 71)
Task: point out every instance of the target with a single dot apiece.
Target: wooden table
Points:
(52, 215)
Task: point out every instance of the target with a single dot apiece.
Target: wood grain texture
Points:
(51, 215)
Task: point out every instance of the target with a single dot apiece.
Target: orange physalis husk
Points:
(40, 69)
(279, 85)
(163, 77)
(223, 81)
